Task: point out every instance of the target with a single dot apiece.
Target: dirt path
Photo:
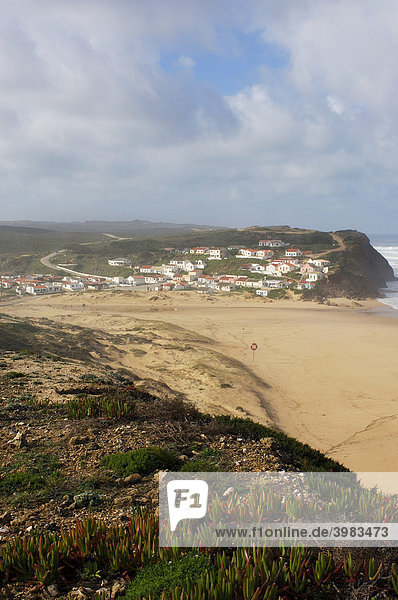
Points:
(341, 246)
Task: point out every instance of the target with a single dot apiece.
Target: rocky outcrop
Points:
(359, 271)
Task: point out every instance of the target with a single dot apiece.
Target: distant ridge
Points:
(22, 229)
(107, 226)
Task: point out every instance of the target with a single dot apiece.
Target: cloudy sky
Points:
(209, 111)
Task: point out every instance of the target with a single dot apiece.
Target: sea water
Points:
(387, 245)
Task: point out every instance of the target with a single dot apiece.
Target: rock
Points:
(133, 478)
(19, 441)
(103, 593)
(78, 595)
(53, 590)
(5, 518)
(122, 500)
(86, 499)
(77, 440)
(93, 446)
(118, 588)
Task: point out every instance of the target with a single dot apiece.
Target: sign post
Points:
(253, 348)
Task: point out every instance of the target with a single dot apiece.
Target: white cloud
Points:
(335, 105)
(88, 114)
(186, 62)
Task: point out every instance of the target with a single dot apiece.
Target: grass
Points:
(142, 461)
(153, 579)
(30, 477)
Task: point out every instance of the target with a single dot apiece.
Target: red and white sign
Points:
(253, 347)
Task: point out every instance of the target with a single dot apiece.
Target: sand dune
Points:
(326, 374)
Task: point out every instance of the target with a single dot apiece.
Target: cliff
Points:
(359, 270)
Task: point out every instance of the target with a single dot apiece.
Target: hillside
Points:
(360, 270)
(135, 227)
(62, 420)
(357, 270)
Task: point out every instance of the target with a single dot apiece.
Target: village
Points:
(273, 265)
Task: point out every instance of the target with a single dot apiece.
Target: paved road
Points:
(46, 261)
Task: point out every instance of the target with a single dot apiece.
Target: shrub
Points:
(306, 457)
(143, 461)
(153, 579)
(15, 482)
(13, 375)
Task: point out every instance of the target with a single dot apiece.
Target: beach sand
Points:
(328, 375)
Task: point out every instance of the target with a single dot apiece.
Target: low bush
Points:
(13, 375)
(20, 481)
(153, 579)
(306, 457)
(142, 461)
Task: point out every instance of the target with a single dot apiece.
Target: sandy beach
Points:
(327, 375)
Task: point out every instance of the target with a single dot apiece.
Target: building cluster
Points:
(37, 285)
(279, 265)
(186, 273)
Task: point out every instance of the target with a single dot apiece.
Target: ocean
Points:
(387, 245)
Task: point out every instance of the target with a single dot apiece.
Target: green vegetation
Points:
(29, 475)
(96, 549)
(142, 461)
(22, 248)
(199, 465)
(306, 457)
(117, 405)
(277, 294)
(153, 579)
(12, 375)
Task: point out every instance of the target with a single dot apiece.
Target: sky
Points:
(221, 112)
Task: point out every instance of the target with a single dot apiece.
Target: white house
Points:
(309, 268)
(241, 281)
(315, 276)
(226, 287)
(253, 283)
(217, 253)
(287, 267)
(38, 289)
(73, 286)
(262, 293)
(199, 250)
(272, 243)
(293, 252)
(272, 269)
(264, 254)
(146, 269)
(246, 253)
(136, 279)
(320, 262)
(119, 262)
(276, 283)
(121, 281)
(258, 268)
(169, 269)
(154, 278)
